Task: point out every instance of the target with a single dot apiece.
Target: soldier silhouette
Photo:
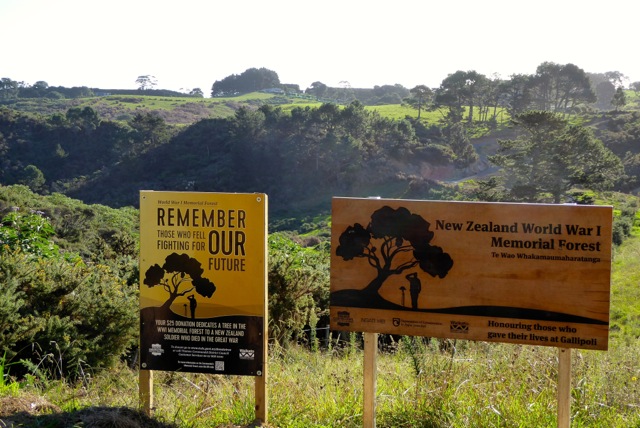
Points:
(415, 286)
(192, 305)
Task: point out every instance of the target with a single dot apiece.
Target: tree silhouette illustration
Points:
(390, 233)
(178, 276)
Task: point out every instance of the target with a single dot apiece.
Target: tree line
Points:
(553, 87)
(291, 155)
(308, 154)
(13, 90)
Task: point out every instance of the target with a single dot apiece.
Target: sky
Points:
(189, 44)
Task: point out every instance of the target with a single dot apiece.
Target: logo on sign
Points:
(156, 349)
(247, 354)
(396, 322)
(459, 327)
(344, 318)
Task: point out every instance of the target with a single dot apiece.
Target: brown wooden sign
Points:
(502, 272)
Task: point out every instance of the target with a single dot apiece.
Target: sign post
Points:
(533, 274)
(370, 378)
(564, 387)
(145, 390)
(203, 270)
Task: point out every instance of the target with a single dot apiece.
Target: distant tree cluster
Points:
(286, 154)
(329, 149)
(60, 152)
(550, 156)
(470, 95)
(473, 96)
(251, 80)
(332, 148)
(11, 89)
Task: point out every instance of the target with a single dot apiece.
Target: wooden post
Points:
(145, 389)
(261, 393)
(564, 387)
(261, 397)
(370, 371)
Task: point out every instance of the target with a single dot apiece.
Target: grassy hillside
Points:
(187, 110)
(174, 110)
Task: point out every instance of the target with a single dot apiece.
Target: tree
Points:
(557, 87)
(551, 156)
(150, 130)
(251, 80)
(317, 89)
(196, 92)
(298, 287)
(256, 79)
(605, 92)
(84, 118)
(179, 276)
(458, 90)
(450, 94)
(490, 98)
(32, 176)
(391, 233)
(37, 90)
(421, 96)
(146, 82)
(516, 94)
(8, 89)
(458, 140)
(616, 77)
(619, 99)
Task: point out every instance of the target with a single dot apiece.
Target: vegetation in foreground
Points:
(421, 383)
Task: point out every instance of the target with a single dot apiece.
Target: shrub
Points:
(298, 288)
(58, 317)
(27, 232)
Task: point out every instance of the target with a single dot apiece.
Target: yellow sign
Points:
(202, 281)
(520, 273)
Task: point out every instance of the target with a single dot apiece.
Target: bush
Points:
(298, 288)
(623, 222)
(58, 317)
(27, 232)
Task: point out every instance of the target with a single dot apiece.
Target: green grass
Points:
(7, 386)
(122, 107)
(625, 293)
(419, 385)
